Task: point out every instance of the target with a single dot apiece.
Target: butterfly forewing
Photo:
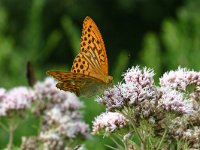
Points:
(87, 63)
(64, 76)
(91, 39)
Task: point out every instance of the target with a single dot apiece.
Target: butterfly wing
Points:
(91, 40)
(90, 67)
(87, 63)
(77, 83)
(86, 87)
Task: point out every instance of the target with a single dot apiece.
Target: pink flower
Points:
(62, 115)
(47, 91)
(16, 99)
(138, 86)
(180, 78)
(108, 122)
(139, 77)
(173, 100)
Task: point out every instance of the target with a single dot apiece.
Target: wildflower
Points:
(2, 93)
(140, 77)
(51, 140)
(47, 91)
(109, 122)
(29, 143)
(173, 100)
(19, 98)
(62, 118)
(181, 79)
(138, 87)
(112, 98)
(170, 110)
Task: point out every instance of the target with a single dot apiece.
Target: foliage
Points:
(178, 42)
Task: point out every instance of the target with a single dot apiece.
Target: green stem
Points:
(3, 127)
(134, 127)
(125, 145)
(13, 124)
(11, 134)
(136, 131)
(158, 147)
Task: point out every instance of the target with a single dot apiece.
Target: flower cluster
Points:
(109, 122)
(183, 79)
(173, 100)
(180, 78)
(62, 118)
(152, 109)
(59, 113)
(47, 92)
(19, 98)
(186, 128)
(138, 86)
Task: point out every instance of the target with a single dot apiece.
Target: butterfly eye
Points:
(110, 79)
(72, 82)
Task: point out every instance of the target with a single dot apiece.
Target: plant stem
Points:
(158, 146)
(129, 115)
(3, 127)
(11, 134)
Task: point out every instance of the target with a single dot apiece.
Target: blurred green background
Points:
(161, 34)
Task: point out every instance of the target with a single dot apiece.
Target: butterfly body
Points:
(89, 72)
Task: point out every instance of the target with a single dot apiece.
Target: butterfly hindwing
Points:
(76, 83)
(86, 87)
(68, 86)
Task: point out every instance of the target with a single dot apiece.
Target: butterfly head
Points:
(109, 80)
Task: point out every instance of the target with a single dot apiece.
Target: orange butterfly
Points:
(89, 72)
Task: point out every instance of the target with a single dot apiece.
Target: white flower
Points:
(15, 99)
(50, 135)
(112, 98)
(72, 102)
(2, 106)
(54, 114)
(137, 94)
(51, 140)
(108, 122)
(2, 93)
(62, 112)
(138, 87)
(47, 90)
(73, 128)
(180, 78)
(176, 101)
(140, 77)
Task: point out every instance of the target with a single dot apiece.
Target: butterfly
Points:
(30, 74)
(89, 72)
